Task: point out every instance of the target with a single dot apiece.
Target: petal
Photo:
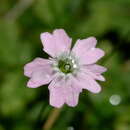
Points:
(92, 56)
(96, 68)
(87, 82)
(40, 77)
(56, 90)
(56, 43)
(96, 76)
(84, 45)
(34, 65)
(94, 71)
(62, 91)
(86, 52)
(100, 77)
(72, 93)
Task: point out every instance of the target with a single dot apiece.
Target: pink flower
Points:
(68, 71)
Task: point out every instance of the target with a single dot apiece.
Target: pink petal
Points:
(62, 91)
(72, 93)
(100, 77)
(34, 65)
(56, 43)
(40, 77)
(87, 82)
(96, 76)
(96, 68)
(94, 71)
(56, 90)
(86, 52)
(84, 45)
(92, 56)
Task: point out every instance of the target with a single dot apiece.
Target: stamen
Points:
(74, 66)
(73, 61)
(66, 64)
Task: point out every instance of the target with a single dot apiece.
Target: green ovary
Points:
(66, 66)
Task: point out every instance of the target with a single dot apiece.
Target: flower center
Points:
(66, 63)
(66, 66)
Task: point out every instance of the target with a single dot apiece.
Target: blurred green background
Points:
(22, 21)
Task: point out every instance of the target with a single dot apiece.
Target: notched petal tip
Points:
(42, 35)
(92, 39)
(32, 84)
(101, 78)
(101, 52)
(60, 30)
(62, 36)
(72, 105)
(56, 42)
(56, 105)
(25, 71)
(105, 69)
(97, 90)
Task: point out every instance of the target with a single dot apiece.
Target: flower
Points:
(67, 70)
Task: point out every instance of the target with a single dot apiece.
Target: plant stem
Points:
(52, 118)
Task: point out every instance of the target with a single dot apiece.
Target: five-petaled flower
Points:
(67, 70)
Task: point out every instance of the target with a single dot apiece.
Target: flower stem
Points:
(51, 118)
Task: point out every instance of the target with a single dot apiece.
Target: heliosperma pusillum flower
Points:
(67, 70)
